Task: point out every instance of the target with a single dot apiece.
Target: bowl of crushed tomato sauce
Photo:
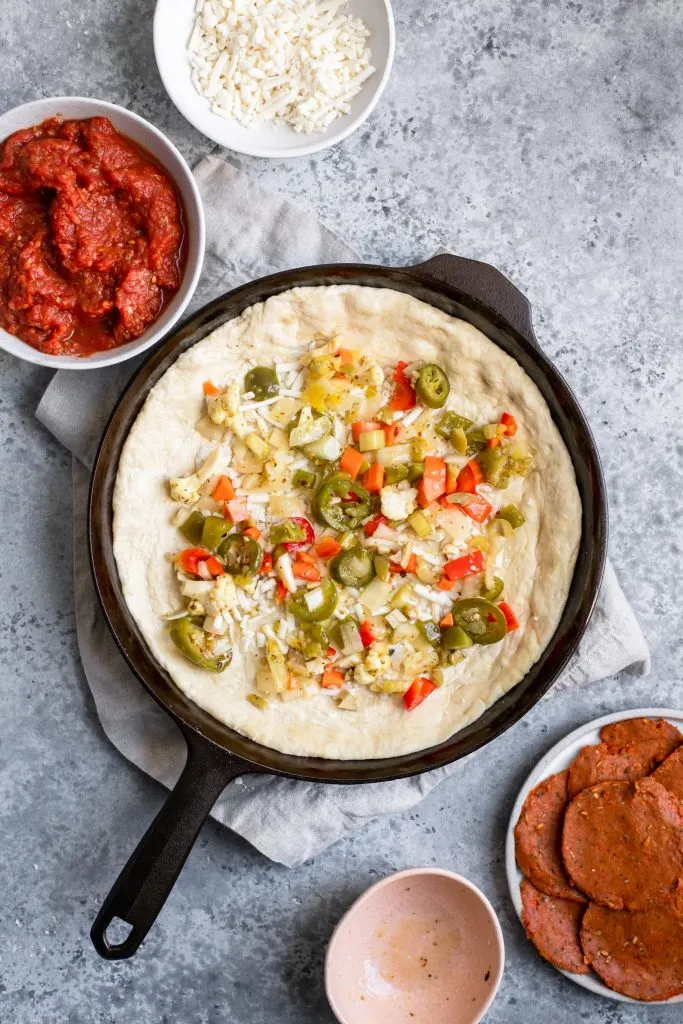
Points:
(101, 233)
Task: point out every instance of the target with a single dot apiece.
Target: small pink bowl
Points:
(421, 945)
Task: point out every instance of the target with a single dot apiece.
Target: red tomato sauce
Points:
(91, 237)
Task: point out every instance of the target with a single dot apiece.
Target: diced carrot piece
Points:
(446, 584)
(280, 592)
(304, 571)
(332, 679)
(510, 617)
(492, 442)
(373, 481)
(223, 491)
(392, 432)
(305, 556)
(252, 531)
(410, 566)
(352, 462)
(236, 510)
(210, 389)
(447, 620)
(467, 565)
(328, 547)
(433, 482)
(362, 427)
(346, 356)
(331, 652)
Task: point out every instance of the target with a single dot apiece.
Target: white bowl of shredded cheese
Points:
(274, 78)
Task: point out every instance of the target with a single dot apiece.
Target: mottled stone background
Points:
(540, 135)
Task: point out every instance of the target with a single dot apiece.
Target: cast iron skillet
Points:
(216, 754)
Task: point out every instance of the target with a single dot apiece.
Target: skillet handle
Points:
(485, 284)
(143, 886)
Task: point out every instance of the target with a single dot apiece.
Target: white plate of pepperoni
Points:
(592, 770)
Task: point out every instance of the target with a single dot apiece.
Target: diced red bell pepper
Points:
(419, 689)
(403, 397)
(433, 482)
(267, 563)
(510, 423)
(253, 532)
(467, 565)
(280, 592)
(510, 617)
(331, 652)
(446, 584)
(478, 509)
(362, 427)
(372, 524)
(298, 545)
(366, 633)
(189, 559)
(236, 510)
(214, 566)
(447, 620)
(493, 442)
(468, 478)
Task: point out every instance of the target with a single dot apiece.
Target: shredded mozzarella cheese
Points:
(292, 62)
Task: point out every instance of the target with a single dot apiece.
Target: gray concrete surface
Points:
(541, 136)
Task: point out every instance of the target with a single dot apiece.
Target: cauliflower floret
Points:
(277, 471)
(223, 598)
(458, 529)
(376, 664)
(224, 410)
(186, 489)
(369, 372)
(398, 504)
(420, 660)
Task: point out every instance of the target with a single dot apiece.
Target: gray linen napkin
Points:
(251, 233)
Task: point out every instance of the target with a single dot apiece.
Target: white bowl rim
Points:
(21, 349)
(547, 766)
(412, 873)
(306, 149)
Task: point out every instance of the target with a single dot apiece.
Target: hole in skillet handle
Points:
(486, 285)
(140, 891)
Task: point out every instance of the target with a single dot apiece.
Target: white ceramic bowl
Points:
(173, 22)
(146, 135)
(556, 760)
(421, 945)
